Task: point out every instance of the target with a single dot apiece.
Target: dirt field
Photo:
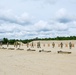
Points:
(16, 62)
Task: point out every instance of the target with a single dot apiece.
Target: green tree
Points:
(5, 40)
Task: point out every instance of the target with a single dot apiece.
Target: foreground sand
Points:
(16, 62)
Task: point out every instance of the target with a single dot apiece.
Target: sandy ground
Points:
(22, 62)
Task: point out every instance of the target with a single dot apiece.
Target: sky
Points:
(27, 19)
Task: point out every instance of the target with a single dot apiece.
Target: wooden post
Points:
(58, 45)
(44, 45)
(72, 45)
(66, 45)
(48, 45)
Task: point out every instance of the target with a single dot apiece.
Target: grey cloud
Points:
(64, 20)
(63, 16)
(23, 19)
(51, 1)
(45, 1)
(14, 21)
(40, 29)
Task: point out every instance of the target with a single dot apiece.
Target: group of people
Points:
(53, 45)
(39, 44)
(16, 44)
(61, 45)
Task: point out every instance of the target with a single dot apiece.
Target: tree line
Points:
(11, 41)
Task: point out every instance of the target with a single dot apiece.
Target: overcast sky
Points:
(25, 19)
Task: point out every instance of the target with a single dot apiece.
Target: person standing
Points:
(7, 44)
(70, 45)
(53, 44)
(61, 44)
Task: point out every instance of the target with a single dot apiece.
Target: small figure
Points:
(38, 45)
(32, 45)
(16, 44)
(19, 45)
(7, 44)
(1, 44)
(53, 44)
(70, 45)
(27, 45)
(61, 44)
